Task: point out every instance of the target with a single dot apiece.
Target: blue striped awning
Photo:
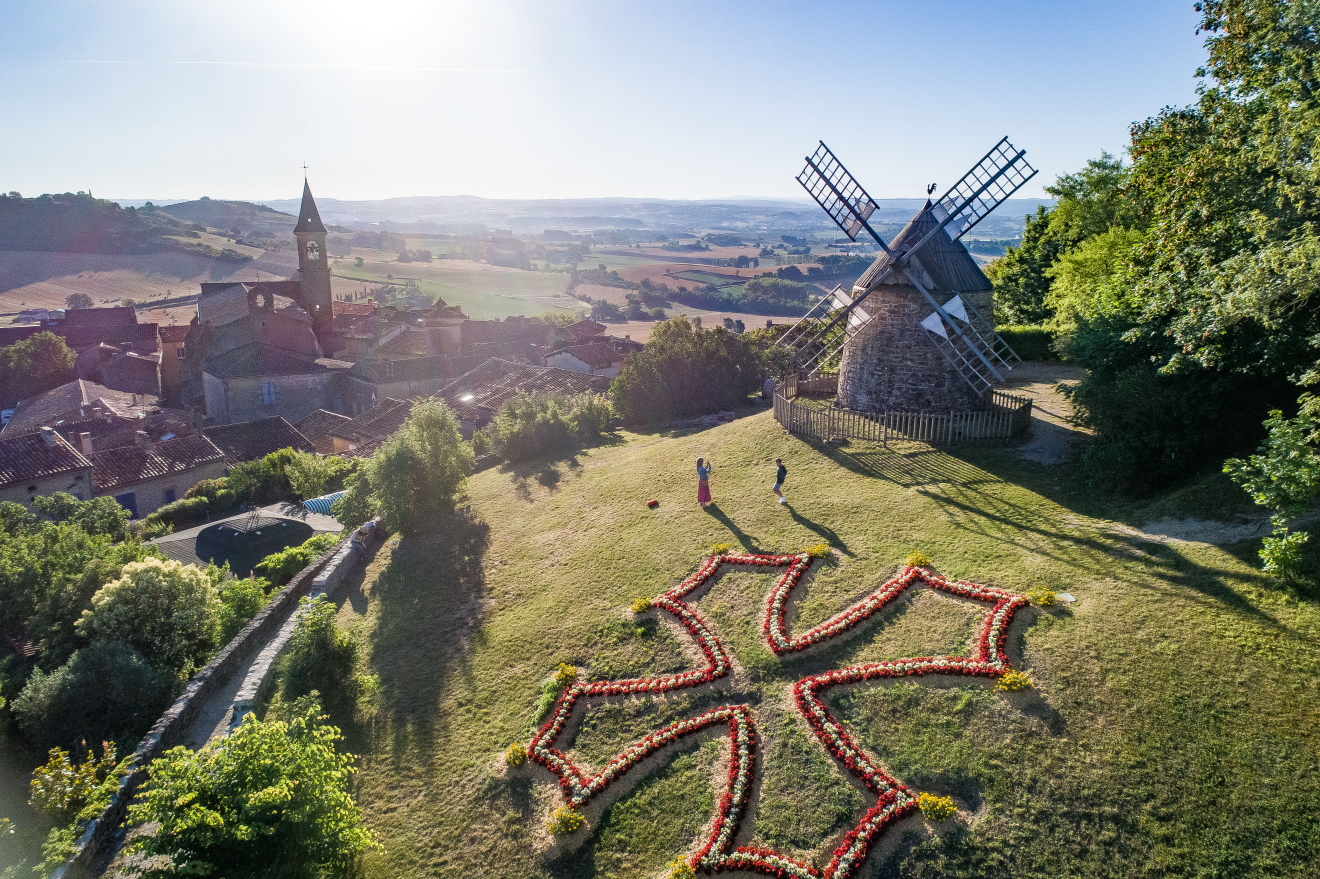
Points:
(322, 504)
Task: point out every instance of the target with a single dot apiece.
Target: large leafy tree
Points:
(269, 800)
(35, 365)
(685, 370)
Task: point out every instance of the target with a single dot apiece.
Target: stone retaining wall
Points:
(323, 573)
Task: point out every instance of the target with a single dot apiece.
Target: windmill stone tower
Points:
(913, 334)
(313, 264)
(889, 364)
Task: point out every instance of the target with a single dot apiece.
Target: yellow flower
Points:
(515, 755)
(819, 551)
(919, 559)
(719, 548)
(681, 870)
(564, 821)
(1012, 681)
(564, 673)
(1042, 597)
(936, 808)
(641, 605)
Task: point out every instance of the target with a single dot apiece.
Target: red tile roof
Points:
(377, 423)
(28, 457)
(339, 307)
(174, 332)
(318, 427)
(257, 359)
(585, 329)
(129, 465)
(74, 401)
(250, 440)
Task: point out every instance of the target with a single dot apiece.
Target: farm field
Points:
(1173, 731)
(484, 292)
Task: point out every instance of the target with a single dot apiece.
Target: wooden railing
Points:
(1005, 417)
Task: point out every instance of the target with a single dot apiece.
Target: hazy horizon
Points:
(579, 99)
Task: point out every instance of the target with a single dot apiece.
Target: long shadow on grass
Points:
(827, 533)
(748, 542)
(429, 600)
(967, 495)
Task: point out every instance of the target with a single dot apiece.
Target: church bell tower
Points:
(313, 263)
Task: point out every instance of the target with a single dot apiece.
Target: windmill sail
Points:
(976, 351)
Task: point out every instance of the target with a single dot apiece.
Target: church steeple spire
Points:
(309, 218)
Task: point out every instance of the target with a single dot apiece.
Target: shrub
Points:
(564, 821)
(918, 559)
(281, 567)
(718, 548)
(415, 475)
(551, 687)
(936, 808)
(1031, 342)
(480, 443)
(166, 610)
(590, 415)
(515, 755)
(60, 789)
(271, 799)
(105, 692)
(685, 371)
(1013, 681)
(528, 427)
(321, 656)
(819, 551)
(264, 480)
(311, 475)
(240, 600)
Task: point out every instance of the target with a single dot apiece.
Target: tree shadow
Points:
(545, 472)
(429, 604)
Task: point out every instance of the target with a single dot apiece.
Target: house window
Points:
(179, 352)
(169, 496)
(414, 388)
(268, 393)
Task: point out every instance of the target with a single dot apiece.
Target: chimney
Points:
(135, 399)
(627, 337)
(143, 440)
(85, 439)
(48, 437)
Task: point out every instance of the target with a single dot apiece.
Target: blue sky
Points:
(171, 99)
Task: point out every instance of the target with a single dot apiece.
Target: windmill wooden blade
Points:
(822, 332)
(835, 190)
(997, 176)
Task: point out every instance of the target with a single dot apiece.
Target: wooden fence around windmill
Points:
(1006, 416)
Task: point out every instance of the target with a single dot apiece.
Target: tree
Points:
(321, 656)
(105, 692)
(166, 610)
(414, 475)
(78, 300)
(684, 371)
(35, 365)
(269, 800)
(311, 475)
(1284, 476)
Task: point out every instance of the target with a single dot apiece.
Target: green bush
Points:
(264, 480)
(1030, 342)
(105, 692)
(167, 610)
(207, 488)
(321, 656)
(529, 427)
(480, 443)
(685, 371)
(269, 800)
(311, 475)
(240, 600)
(281, 567)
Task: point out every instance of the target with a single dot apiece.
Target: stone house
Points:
(145, 476)
(593, 359)
(258, 381)
(891, 364)
(39, 464)
(319, 426)
(173, 351)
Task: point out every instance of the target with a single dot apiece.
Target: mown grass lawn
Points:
(1177, 731)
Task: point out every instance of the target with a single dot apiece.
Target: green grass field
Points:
(1175, 733)
(483, 292)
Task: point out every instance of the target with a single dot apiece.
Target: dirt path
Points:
(1054, 434)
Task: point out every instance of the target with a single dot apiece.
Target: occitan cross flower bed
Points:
(893, 799)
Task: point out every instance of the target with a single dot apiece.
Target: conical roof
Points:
(309, 218)
(947, 262)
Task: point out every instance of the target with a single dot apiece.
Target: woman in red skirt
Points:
(703, 481)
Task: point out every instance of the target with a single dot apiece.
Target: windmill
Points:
(955, 328)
